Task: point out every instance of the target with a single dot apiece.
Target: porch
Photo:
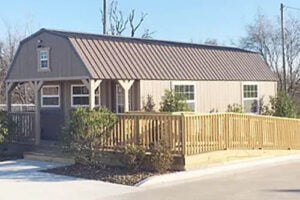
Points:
(55, 99)
(191, 134)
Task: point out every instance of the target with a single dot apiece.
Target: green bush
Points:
(134, 157)
(283, 105)
(161, 157)
(87, 132)
(149, 104)
(4, 124)
(174, 102)
(236, 108)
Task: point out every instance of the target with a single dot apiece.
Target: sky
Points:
(179, 20)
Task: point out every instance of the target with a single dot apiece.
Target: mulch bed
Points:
(5, 157)
(104, 173)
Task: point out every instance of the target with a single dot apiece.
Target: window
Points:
(120, 99)
(80, 96)
(250, 98)
(43, 59)
(50, 96)
(188, 90)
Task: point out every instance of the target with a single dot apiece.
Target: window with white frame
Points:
(250, 98)
(120, 99)
(43, 59)
(80, 96)
(50, 96)
(188, 90)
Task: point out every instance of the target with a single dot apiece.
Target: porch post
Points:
(92, 94)
(91, 86)
(126, 85)
(8, 88)
(37, 85)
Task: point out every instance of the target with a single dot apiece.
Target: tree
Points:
(210, 41)
(148, 104)
(8, 47)
(283, 105)
(86, 133)
(174, 102)
(263, 36)
(236, 108)
(4, 124)
(118, 23)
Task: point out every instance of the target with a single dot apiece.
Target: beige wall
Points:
(211, 96)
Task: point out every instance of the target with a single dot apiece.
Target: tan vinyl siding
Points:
(211, 96)
(214, 96)
(267, 89)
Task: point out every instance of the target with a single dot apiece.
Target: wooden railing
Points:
(146, 129)
(191, 134)
(21, 127)
(213, 132)
(188, 134)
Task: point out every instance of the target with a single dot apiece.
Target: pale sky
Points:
(196, 20)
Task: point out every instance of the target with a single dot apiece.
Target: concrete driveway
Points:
(21, 179)
(273, 181)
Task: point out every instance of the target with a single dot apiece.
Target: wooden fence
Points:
(213, 132)
(147, 129)
(21, 127)
(189, 134)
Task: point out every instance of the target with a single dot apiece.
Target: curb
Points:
(184, 176)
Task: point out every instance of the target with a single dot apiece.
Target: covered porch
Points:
(55, 99)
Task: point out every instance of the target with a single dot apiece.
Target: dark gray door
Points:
(52, 121)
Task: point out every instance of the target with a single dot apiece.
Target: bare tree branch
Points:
(264, 36)
(118, 24)
(134, 26)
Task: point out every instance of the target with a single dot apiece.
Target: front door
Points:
(52, 121)
(52, 115)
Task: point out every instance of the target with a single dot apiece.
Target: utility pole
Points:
(282, 43)
(104, 17)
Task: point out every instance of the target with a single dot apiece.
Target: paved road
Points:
(272, 182)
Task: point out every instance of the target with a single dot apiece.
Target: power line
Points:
(293, 8)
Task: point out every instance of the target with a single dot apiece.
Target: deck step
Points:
(50, 156)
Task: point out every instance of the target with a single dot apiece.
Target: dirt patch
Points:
(103, 173)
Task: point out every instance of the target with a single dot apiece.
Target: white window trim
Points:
(40, 69)
(82, 95)
(174, 83)
(50, 96)
(251, 98)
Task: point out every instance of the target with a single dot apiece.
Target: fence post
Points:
(183, 139)
(137, 130)
(227, 116)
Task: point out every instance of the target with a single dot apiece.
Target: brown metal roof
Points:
(111, 57)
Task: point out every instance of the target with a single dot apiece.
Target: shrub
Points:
(236, 108)
(149, 105)
(174, 102)
(283, 105)
(134, 157)
(161, 157)
(4, 124)
(86, 133)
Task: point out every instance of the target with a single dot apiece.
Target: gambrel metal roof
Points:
(114, 57)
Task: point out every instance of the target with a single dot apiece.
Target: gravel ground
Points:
(107, 174)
